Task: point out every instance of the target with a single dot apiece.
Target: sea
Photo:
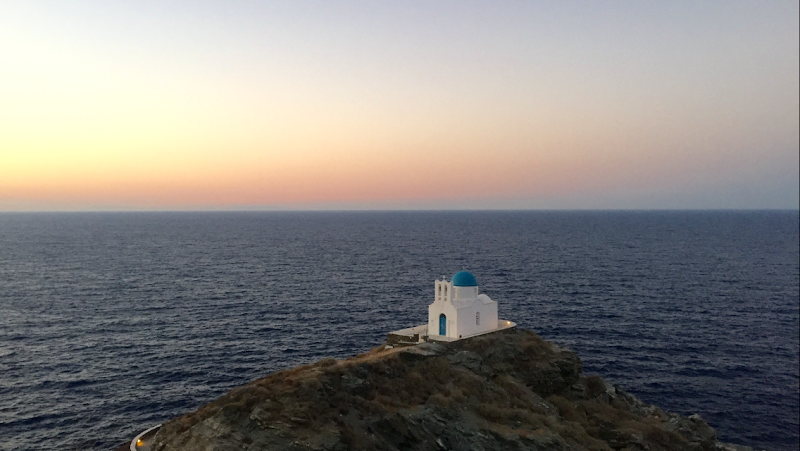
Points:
(111, 323)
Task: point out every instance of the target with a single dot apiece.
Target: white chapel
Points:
(459, 310)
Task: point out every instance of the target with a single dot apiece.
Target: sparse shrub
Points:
(668, 439)
(595, 386)
(438, 399)
(490, 412)
(356, 439)
(327, 361)
(565, 407)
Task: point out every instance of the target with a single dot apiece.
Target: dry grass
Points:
(503, 398)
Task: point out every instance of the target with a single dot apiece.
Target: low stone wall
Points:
(411, 336)
(393, 339)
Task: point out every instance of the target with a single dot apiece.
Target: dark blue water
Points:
(111, 323)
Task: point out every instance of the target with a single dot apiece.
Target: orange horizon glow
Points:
(421, 114)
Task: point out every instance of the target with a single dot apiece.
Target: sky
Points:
(329, 105)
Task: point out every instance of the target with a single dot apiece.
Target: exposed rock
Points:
(509, 390)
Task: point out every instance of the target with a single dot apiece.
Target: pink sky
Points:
(357, 105)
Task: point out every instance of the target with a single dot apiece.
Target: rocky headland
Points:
(507, 390)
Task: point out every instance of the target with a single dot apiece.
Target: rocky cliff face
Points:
(509, 390)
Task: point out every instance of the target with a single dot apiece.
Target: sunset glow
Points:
(350, 105)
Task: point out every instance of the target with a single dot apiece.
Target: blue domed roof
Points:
(464, 279)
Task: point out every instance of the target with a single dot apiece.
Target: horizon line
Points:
(404, 210)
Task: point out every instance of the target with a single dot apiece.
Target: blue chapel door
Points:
(442, 325)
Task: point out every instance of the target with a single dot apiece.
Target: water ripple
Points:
(110, 323)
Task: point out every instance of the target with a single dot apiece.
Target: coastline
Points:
(536, 393)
